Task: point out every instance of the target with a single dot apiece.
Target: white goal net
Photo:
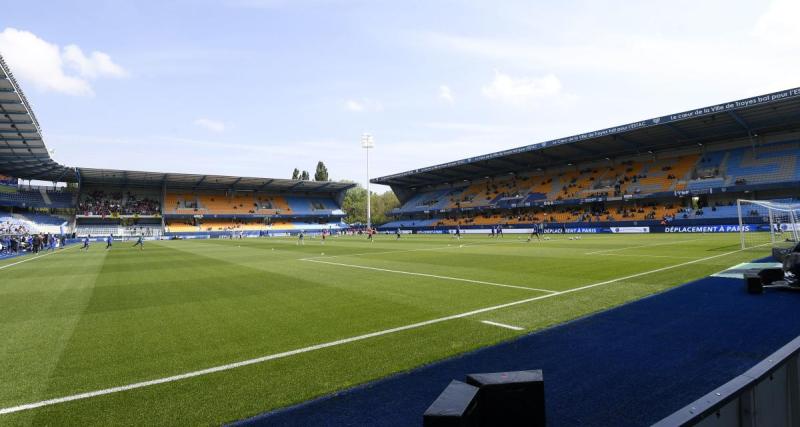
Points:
(764, 224)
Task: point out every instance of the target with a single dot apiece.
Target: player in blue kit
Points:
(535, 232)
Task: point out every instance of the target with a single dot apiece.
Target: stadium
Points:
(614, 264)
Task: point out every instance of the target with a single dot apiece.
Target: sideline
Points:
(39, 256)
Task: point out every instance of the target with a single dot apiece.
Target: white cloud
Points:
(44, 65)
(353, 105)
(521, 91)
(362, 105)
(209, 124)
(695, 59)
(98, 64)
(446, 94)
(778, 24)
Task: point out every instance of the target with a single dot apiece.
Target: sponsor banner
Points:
(555, 230)
(630, 229)
(789, 227)
(576, 230)
(433, 231)
(725, 228)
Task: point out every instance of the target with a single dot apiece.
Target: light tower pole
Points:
(368, 142)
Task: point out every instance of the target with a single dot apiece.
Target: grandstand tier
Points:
(680, 168)
(776, 163)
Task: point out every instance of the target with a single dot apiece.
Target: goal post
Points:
(765, 223)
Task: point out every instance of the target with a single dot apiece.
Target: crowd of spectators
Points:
(101, 203)
(15, 228)
(562, 214)
(14, 244)
(706, 169)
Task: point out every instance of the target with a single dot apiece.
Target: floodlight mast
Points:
(367, 143)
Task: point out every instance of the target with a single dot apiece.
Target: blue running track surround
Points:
(628, 366)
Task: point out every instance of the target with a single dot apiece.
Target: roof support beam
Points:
(18, 131)
(480, 166)
(35, 138)
(439, 175)
(61, 175)
(738, 119)
(514, 163)
(547, 157)
(583, 150)
(627, 142)
(266, 184)
(678, 130)
(402, 181)
(20, 156)
(233, 186)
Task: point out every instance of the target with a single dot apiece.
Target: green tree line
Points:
(355, 205)
(321, 173)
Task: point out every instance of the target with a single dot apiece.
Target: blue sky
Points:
(258, 87)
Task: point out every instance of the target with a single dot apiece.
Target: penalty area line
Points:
(502, 325)
(221, 368)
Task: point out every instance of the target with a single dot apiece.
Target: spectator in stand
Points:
(100, 203)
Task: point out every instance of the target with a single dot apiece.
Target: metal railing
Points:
(767, 395)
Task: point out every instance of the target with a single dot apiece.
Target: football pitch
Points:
(211, 331)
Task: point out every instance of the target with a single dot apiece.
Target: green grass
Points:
(75, 322)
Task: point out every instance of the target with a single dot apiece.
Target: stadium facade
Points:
(100, 202)
(677, 173)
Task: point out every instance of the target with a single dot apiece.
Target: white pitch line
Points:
(36, 257)
(235, 365)
(647, 256)
(411, 273)
(640, 246)
(502, 325)
(438, 248)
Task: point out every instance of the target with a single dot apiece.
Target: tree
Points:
(322, 172)
(296, 174)
(382, 205)
(304, 176)
(354, 205)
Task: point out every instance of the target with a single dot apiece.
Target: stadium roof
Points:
(185, 181)
(759, 115)
(23, 154)
(22, 150)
